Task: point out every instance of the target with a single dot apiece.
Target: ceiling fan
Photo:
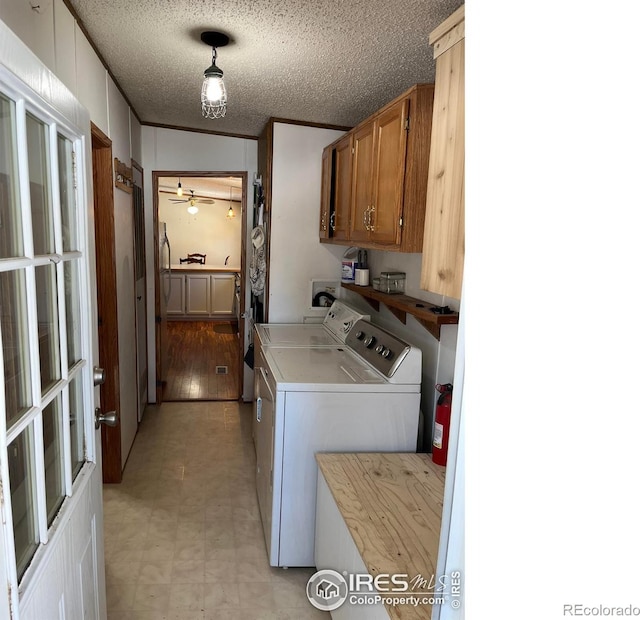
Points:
(192, 199)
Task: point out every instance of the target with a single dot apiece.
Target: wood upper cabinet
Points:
(336, 189)
(380, 149)
(443, 251)
(361, 186)
(339, 217)
(389, 160)
(325, 192)
(380, 169)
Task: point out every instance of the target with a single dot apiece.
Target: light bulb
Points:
(179, 192)
(215, 89)
(230, 213)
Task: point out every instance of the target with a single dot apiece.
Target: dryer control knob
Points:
(386, 354)
(369, 341)
(380, 348)
(360, 335)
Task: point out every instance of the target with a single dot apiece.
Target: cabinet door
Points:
(175, 304)
(325, 192)
(339, 218)
(388, 175)
(361, 183)
(223, 291)
(198, 294)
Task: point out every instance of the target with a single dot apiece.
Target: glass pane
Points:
(15, 346)
(48, 334)
(76, 423)
(67, 195)
(21, 478)
(72, 297)
(53, 457)
(37, 149)
(10, 218)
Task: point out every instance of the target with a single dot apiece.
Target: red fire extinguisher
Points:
(443, 422)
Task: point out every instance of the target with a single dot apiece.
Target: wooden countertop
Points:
(205, 268)
(392, 505)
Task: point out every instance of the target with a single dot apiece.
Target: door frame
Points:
(156, 174)
(107, 308)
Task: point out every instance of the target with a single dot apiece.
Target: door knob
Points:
(98, 376)
(110, 418)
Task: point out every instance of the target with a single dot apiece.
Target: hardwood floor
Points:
(198, 351)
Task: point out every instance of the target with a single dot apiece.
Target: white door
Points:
(52, 562)
(141, 290)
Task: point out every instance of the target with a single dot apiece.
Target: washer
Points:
(333, 331)
(363, 395)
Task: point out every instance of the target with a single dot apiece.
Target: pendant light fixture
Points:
(230, 213)
(179, 192)
(213, 96)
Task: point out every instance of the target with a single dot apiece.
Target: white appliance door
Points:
(164, 265)
(264, 411)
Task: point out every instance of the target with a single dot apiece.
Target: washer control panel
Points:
(340, 319)
(384, 351)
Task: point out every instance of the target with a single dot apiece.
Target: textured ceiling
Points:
(319, 61)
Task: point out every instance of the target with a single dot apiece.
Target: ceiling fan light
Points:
(192, 209)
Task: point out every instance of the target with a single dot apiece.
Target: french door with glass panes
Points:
(51, 545)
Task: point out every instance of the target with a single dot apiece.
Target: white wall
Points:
(296, 254)
(118, 114)
(170, 149)
(209, 231)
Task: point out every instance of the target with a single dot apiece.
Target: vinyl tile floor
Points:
(183, 537)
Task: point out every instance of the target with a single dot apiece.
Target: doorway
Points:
(200, 224)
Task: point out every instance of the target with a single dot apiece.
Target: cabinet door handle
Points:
(372, 226)
(332, 221)
(259, 409)
(366, 218)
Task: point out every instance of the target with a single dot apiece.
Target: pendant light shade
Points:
(213, 96)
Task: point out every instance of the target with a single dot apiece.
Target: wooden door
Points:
(325, 192)
(52, 561)
(390, 160)
(361, 183)
(107, 298)
(339, 220)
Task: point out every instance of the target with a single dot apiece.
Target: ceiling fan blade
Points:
(175, 200)
(206, 201)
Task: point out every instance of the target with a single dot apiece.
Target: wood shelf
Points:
(401, 305)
